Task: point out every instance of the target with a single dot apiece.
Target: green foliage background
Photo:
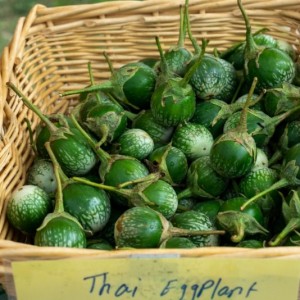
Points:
(12, 10)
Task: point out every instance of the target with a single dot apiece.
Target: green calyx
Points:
(252, 51)
(239, 225)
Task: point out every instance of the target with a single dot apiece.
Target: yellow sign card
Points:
(151, 278)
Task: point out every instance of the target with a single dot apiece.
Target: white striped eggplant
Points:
(161, 135)
(27, 208)
(155, 193)
(177, 242)
(74, 155)
(171, 162)
(203, 181)
(213, 113)
(261, 126)
(258, 180)
(215, 78)
(41, 174)
(194, 140)
(259, 59)
(235, 54)
(289, 175)
(89, 205)
(59, 228)
(234, 152)
(173, 100)
(196, 220)
(178, 57)
(143, 227)
(131, 85)
(133, 142)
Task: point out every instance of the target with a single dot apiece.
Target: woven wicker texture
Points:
(49, 53)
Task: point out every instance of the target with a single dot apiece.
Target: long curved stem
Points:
(103, 156)
(91, 75)
(197, 48)
(279, 184)
(107, 85)
(123, 192)
(32, 144)
(293, 224)
(279, 118)
(185, 80)
(109, 62)
(182, 30)
(174, 231)
(242, 126)
(163, 64)
(250, 43)
(59, 176)
(33, 107)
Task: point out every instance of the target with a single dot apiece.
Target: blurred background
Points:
(12, 10)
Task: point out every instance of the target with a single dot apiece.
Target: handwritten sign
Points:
(157, 278)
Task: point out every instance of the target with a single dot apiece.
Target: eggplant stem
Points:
(163, 64)
(174, 231)
(279, 184)
(59, 175)
(150, 177)
(33, 107)
(236, 238)
(103, 156)
(91, 73)
(182, 31)
(188, 75)
(106, 85)
(130, 115)
(197, 48)
(238, 44)
(32, 144)
(104, 133)
(277, 155)
(293, 224)
(109, 62)
(186, 193)
(250, 43)
(123, 192)
(279, 118)
(242, 126)
(237, 91)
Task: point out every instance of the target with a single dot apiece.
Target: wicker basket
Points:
(49, 53)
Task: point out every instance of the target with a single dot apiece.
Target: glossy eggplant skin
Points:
(284, 71)
(172, 104)
(215, 78)
(75, 158)
(61, 232)
(233, 159)
(89, 205)
(74, 155)
(138, 227)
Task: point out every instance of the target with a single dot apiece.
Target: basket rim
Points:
(14, 250)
